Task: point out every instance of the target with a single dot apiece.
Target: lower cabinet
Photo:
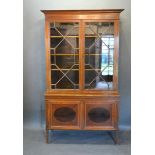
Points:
(82, 114)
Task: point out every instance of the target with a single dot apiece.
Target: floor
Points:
(75, 143)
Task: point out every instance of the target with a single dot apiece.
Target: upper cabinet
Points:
(82, 49)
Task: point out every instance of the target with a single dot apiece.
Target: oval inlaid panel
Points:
(99, 115)
(65, 114)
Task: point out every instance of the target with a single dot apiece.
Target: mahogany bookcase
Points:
(82, 49)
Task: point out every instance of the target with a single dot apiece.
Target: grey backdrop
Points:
(34, 55)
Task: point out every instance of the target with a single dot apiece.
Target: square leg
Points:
(115, 136)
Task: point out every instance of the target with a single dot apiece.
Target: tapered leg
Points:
(47, 136)
(115, 136)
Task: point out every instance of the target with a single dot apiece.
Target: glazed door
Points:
(99, 51)
(64, 55)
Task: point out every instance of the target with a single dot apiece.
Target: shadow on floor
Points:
(87, 137)
(84, 137)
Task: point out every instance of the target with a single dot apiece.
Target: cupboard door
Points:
(64, 53)
(99, 55)
(64, 114)
(100, 115)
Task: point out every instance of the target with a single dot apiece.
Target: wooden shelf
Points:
(75, 69)
(65, 69)
(75, 36)
(64, 36)
(74, 54)
(92, 37)
(74, 48)
(61, 89)
(65, 54)
(93, 54)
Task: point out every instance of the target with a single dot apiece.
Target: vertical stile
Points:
(81, 54)
(81, 67)
(116, 53)
(48, 63)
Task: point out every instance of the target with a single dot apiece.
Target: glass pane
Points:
(99, 48)
(64, 45)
